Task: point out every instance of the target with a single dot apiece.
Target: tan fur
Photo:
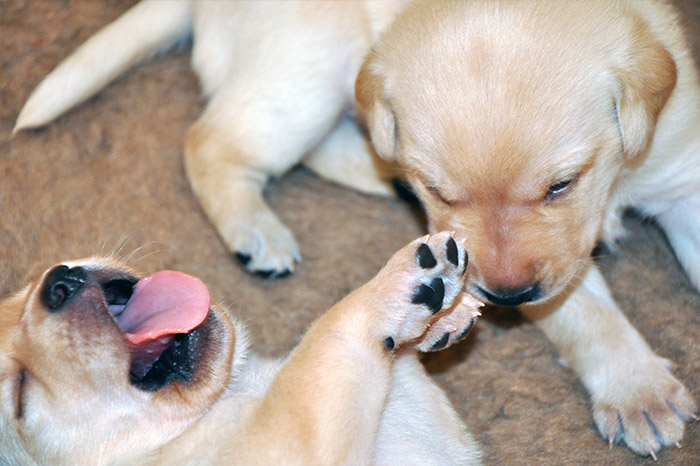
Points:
(342, 397)
(485, 105)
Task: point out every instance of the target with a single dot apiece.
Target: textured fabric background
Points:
(108, 178)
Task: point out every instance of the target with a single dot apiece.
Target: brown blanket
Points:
(108, 178)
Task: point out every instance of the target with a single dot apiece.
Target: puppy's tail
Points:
(139, 33)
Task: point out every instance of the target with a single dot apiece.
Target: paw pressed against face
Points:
(431, 310)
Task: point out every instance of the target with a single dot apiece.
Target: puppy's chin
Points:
(109, 389)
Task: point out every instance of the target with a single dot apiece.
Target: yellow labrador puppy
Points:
(280, 79)
(101, 366)
(527, 126)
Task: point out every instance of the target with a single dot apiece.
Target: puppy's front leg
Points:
(325, 405)
(635, 397)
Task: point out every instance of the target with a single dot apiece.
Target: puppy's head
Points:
(99, 365)
(513, 121)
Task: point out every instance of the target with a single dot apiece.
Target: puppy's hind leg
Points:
(229, 188)
(419, 424)
(279, 76)
(681, 224)
(346, 157)
(243, 139)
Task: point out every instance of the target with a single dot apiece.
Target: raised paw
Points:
(423, 284)
(647, 411)
(451, 326)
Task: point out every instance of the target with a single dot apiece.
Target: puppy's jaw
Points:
(76, 365)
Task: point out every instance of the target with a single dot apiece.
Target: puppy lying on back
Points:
(526, 126)
(101, 366)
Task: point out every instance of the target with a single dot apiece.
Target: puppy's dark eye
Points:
(559, 189)
(438, 195)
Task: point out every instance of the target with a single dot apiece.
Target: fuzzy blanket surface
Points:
(108, 178)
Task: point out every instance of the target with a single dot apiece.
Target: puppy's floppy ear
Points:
(374, 108)
(646, 75)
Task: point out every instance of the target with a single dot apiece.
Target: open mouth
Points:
(160, 317)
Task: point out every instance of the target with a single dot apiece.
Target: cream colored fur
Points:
(529, 127)
(280, 79)
(343, 396)
(486, 106)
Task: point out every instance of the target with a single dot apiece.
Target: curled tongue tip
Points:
(164, 303)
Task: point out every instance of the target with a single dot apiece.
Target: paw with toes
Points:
(422, 286)
(265, 247)
(453, 325)
(651, 415)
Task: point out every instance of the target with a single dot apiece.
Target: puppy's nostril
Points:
(61, 284)
(513, 296)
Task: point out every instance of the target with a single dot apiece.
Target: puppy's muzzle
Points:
(512, 296)
(162, 318)
(61, 285)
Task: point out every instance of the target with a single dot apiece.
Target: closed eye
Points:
(559, 189)
(436, 192)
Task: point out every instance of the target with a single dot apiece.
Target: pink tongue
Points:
(163, 304)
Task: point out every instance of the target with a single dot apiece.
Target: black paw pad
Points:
(243, 258)
(272, 273)
(389, 343)
(431, 295)
(452, 252)
(425, 257)
(441, 343)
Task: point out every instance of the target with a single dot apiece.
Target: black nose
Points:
(61, 284)
(513, 296)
